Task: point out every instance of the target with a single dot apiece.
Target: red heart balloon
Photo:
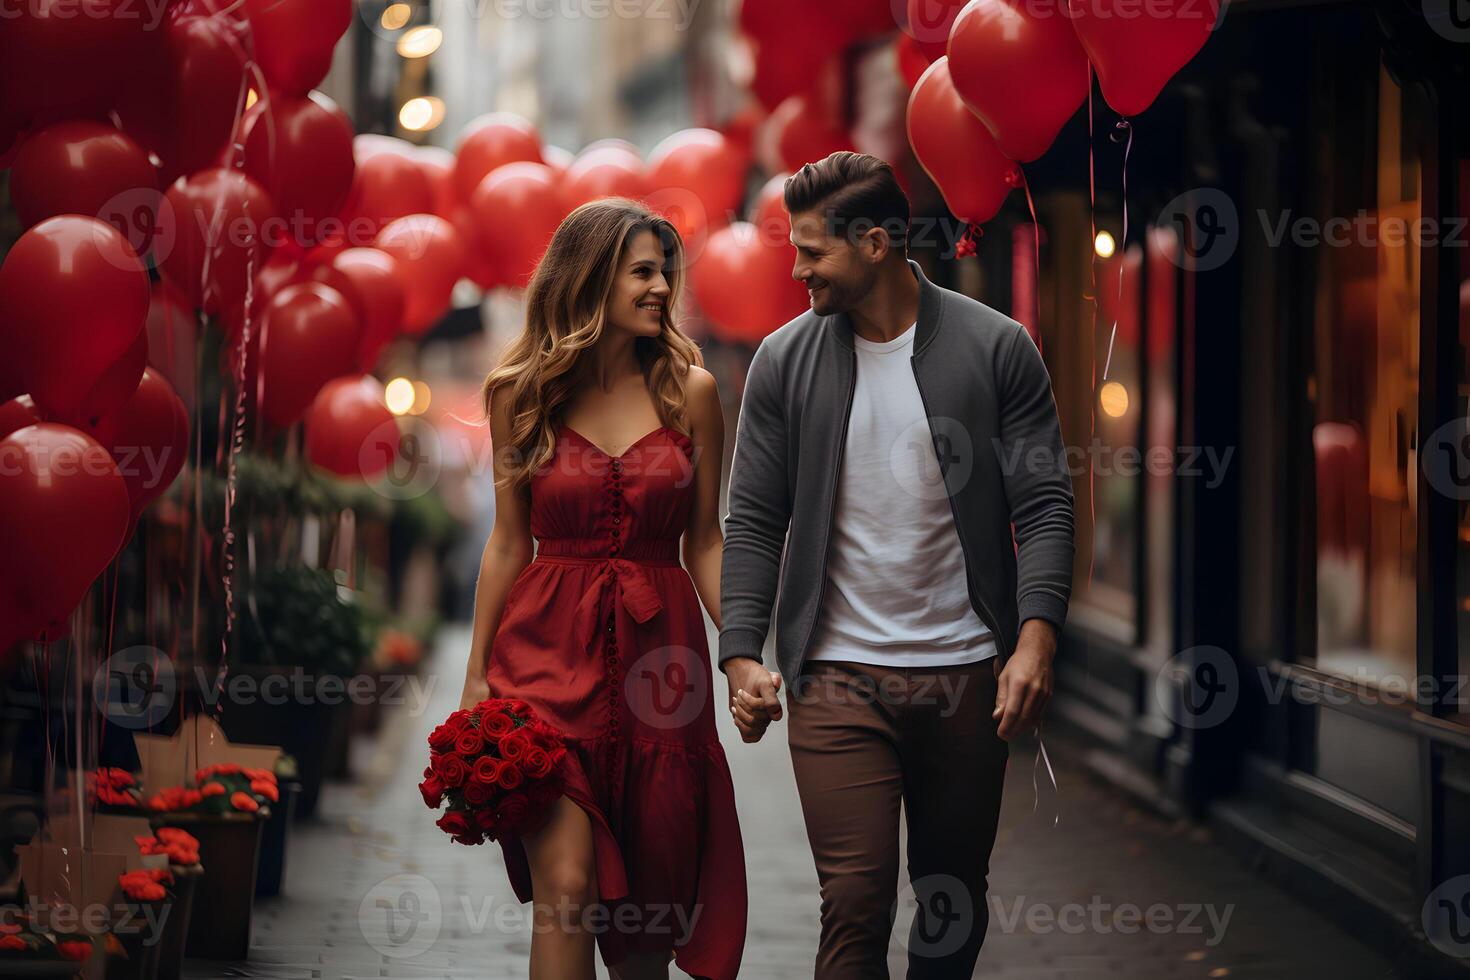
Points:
(371, 281)
(430, 260)
(516, 211)
(488, 143)
(956, 150)
(18, 413)
(300, 151)
(437, 164)
(115, 386)
(806, 132)
(74, 296)
(294, 40)
(214, 229)
(1138, 49)
(85, 168)
(389, 186)
(309, 337)
(148, 438)
(349, 430)
(1020, 70)
(63, 516)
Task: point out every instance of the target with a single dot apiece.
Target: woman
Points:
(609, 439)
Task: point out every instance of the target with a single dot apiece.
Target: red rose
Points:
(514, 744)
(477, 794)
(487, 770)
(74, 950)
(433, 790)
(537, 762)
(469, 743)
(245, 802)
(496, 723)
(509, 777)
(441, 739)
(455, 822)
(13, 942)
(452, 770)
(470, 838)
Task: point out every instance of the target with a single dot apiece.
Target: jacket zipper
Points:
(831, 515)
(986, 614)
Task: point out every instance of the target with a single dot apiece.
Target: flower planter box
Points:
(15, 966)
(302, 728)
(274, 838)
(224, 896)
(170, 956)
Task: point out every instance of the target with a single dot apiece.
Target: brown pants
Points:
(863, 738)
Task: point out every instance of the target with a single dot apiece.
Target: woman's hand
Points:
(476, 689)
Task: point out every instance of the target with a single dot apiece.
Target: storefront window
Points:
(1363, 386)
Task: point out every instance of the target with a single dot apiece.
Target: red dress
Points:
(602, 634)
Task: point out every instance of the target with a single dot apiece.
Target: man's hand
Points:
(1024, 686)
(753, 700)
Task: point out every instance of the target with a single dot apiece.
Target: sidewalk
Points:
(373, 889)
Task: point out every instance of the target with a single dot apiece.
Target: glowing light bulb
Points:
(1104, 245)
(420, 42)
(1113, 398)
(422, 113)
(396, 16)
(399, 396)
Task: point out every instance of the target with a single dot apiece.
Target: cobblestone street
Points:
(1109, 891)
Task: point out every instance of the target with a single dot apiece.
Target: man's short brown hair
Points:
(854, 192)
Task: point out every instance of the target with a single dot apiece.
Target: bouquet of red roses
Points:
(498, 767)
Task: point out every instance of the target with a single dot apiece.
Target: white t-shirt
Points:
(896, 592)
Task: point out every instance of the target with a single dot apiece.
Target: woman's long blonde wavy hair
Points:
(566, 310)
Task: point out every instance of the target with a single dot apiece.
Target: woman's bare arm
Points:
(508, 551)
(704, 543)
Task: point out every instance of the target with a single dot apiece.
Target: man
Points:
(899, 479)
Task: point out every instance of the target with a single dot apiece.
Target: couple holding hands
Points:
(917, 585)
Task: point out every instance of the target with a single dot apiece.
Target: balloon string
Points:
(1092, 346)
(969, 243)
(1040, 757)
(1122, 126)
(1035, 259)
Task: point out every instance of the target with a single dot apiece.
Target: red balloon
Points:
(516, 211)
(74, 296)
(349, 430)
(488, 143)
(911, 60)
(63, 516)
(1136, 52)
(956, 150)
(300, 151)
(148, 438)
(1022, 72)
(389, 186)
(437, 164)
(116, 386)
(83, 168)
(929, 24)
(608, 169)
(172, 340)
(294, 40)
(771, 219)
(18, 413)
(371, 281)
(309, 337)
(62, 59)
(805, 132)
(430, 259)
(744, 285)
(698, 180)
(219, 223)
(188, 112)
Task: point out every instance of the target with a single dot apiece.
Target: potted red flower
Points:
(174, 852)
(497, 767)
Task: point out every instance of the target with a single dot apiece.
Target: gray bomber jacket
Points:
(993, 424)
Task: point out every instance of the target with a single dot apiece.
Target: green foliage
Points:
(296, 616)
